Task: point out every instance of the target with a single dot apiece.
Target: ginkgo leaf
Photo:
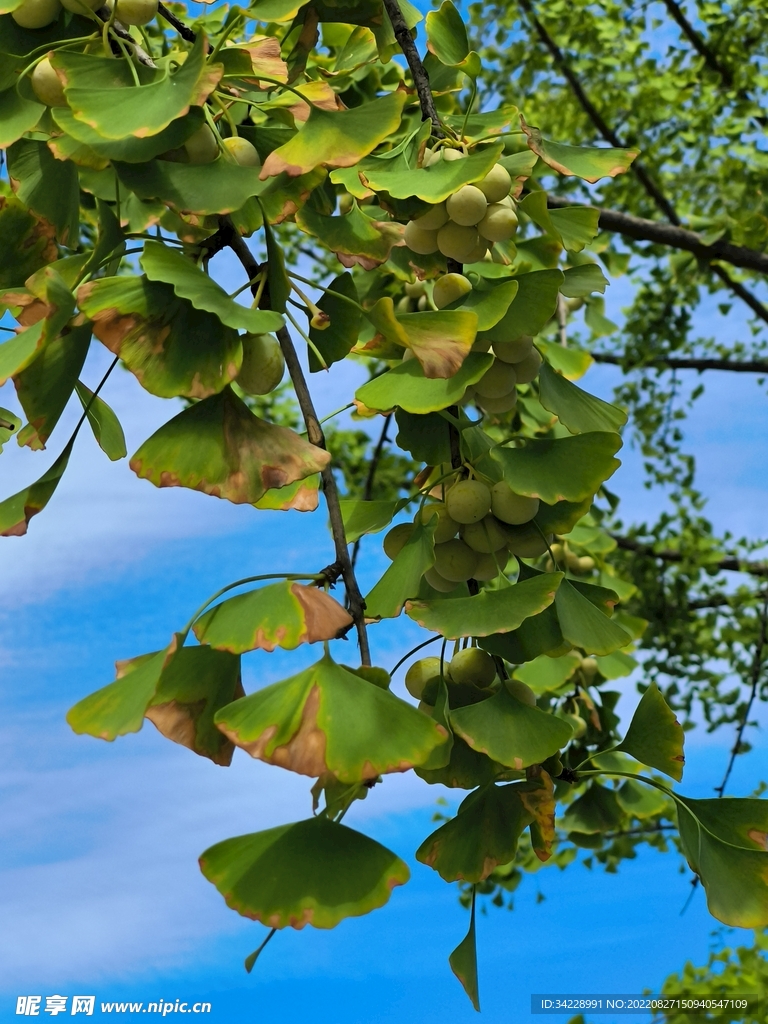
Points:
(586, 163)
(596, 810)
(440, 340)
(354, 237)
(279, 615)
(576, 409)
(16, 511)
(408, 387)
(655, 737)
(9, 424)
(585, 625)
(17, 116)
(162, 263)
(432, 184)
(361, 517)
(447, 39)
(301, 496)
(46, 186)
(104, 424)
(171, 347)
(463, 961)
(219, 187)
(560, 469)
(403, 578)
(575, 227)
(219, 447)
(131, 149)
(328, 720)
(335, 340)
(532, 307)
(26, 243)
(312, 872)
(337, 139)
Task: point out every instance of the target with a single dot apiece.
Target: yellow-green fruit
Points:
(436, 155)
(528, 369)
(527, 542)
(404, 305)
(46, 84)
(449, 288)
(585, 564)
(478, 253)
(498, 224)
(488, 566)
(415, 289)
(438, 582)
(81, 6)
(453, 154)
(396, 539)
(419, 240)
(201, 146)
(456, 242)
(498, 380)
(419, 674)
(481, 345)
(36, 13)
(521, 691)
(497, 406)
(242, 152)
(263, 364)
(467, 206)
(496, 184)
(468, 501)
(513, 351)
(577, 723)
(472, 666)
(433, 219)
(408, 354)
(485, 536)
(589, 667)
(446, 527)
(136, 12)
(507, 201)
(423, 303)
(455, 561)
(510, 507)
(346, 202)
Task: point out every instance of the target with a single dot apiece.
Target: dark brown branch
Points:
(729, 564)
(120, 30)
(650, 186)
(181, 28)
(374, 465)
(642, 230)
(745, 366)
(316, 437)
(418, 71)
(757, 668)
(722, 600)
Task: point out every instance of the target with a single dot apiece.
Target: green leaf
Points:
(312, 872)
(408, 387)
(490, 304)
(532, 307)
(575, 227)
(571, 362)
(361, 517)
(219, 187)
(162, 263)
(447, 39)
(219, 447)
(46, 385)
(301, 496)
(466, 768)
(432, 184)
(641, 801)
(510, 732)
(101, 91)
(26, 243)
(279, 615)
(104, 424)
(327, 719)
(563, 516)
(463, 961)
(17, 116)
(440, 340)
(336, 138)
(130, 149)
(354, 237)
(576, 409)
(16, 511)
(340, 335)
(595, 319)
(483, 835)
(9, 424)
(425, 437)
(616, 665)
(596, 810)
(403, 578)
(46, 186)
(583, 280)
(490, 611)
(655, 737)
(589, 164)
(171, 347)
(560, 469)
(277, 278)
(726, 846)
(21, 350)
(584, 625)
(548, 675)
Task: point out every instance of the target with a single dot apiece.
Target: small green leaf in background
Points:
(16, 511)
(583, 280)
(284, 614)
(463, 961)
(407, 386)
(583, 162)
(403, 578)
(548, 675)
(655, 737)
(572, 362)
(104, 424)
(313, 872)
(577, 410)
(46, 385)
(585, 625)
(562, 468)
(575, 227)
(447, 39)
(340, 335)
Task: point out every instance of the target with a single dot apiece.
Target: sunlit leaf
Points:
(489, 304)
(131, 149)
(354, 237)
(301, 496)
(589, 164)
(440, 340)
(577, 410)
(9, 424)
(17, 116)
(583, 280)
(548, 675)
(408, 387)
(655, 737)
(532, 307)
(103, 422)
(403, 577)
(463, 961)
(361, 517)
(432, 184)
(560, 469)
(584, 625)
(575, 227)
(447, 39)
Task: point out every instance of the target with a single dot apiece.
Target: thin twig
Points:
(729, 564)
(672, 363)
(368, 488)
(181, 28)
(120, 30)
(418, 71)
(756, 672)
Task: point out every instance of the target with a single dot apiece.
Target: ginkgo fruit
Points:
(242, 151)
(510, 507)
(498, 406)
(496, 184)
(468, 501)
(467, 206)
(36, 13)
(446, 527)
(521, 691)
(438, 582)
(455, 561)
(456, 242)
(136, 12)
(498, 224)
(46, 84)
(419, 674)
(576, 722)
(419, 239)
(415, 289)
(397, 538)
(432, 219)
(528, 369)
(444, 153)
(479, 252)
(498, 380)
(490, 565)
(449, 288)
(589, 666)
(263, 364)
(527, 542)
(472, 665)
(82, 6)
(201, 146)
(513, 351)
(486, 535)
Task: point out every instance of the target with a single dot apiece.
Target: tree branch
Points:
(181, 28)
(674, 236)
(729, 564)
(374, 465)
(650, 186)
(745, 366)
(316, 437)
(120, 30)
(697, 42)
(418, 71)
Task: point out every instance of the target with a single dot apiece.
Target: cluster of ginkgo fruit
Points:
(466, 225)
(478, 527)
(39, 13)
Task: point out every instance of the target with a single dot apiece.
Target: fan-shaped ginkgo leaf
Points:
(440, 340)
(326, 719)
(312, 872)
(219, 447)
(655, 737)
(408, 387)
(583, 162)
